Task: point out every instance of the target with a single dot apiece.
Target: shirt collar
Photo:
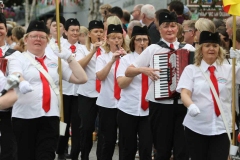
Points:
(205, 66)
(33, 56)
(175, 43)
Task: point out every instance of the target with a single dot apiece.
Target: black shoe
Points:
(61, 157)
(67, 156)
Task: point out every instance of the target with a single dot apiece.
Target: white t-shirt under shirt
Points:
(207, 123)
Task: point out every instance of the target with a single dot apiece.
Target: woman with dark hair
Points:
(132, 107)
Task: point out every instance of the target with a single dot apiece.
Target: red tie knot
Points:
(40, 59)
(171, 46)
(73, 48)
(211, 69)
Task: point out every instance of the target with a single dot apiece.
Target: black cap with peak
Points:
(112, 28)
(71, 22)
(37, 26)
(61, 19)
(209, 37)
(166, 17)
(95, 24)
(137, 30)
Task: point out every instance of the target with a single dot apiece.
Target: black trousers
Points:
(129, 128)
(167, 130)
(36, 138)
(87, 110)
(8, 142)
(71, 117)
(108, 132)
(207, 147)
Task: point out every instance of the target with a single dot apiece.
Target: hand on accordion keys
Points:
(193, 110)
(234, 53)
(151, 73)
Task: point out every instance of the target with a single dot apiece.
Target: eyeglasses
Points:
(35, 37)
(141, 40)
(184, 31)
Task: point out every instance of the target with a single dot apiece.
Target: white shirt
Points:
(70, 88)
(130, 101)
(3, 81)
(207, 123)
(106, 96)
(146, 60)
(89, 89)
(30, 105)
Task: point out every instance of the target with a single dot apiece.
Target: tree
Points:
(29, 15)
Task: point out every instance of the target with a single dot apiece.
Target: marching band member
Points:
(8, 142)
(204, 128)
(88, 92)
(70, 99)
(106, 67)
(166, 116)
(53, 32)
(133, 109)
(35, 115)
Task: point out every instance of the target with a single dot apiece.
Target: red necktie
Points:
(1, 54)
(171, 46)
(73, 48)
(98, 82)
(215, 84)
(117, 89)
(46, 88)
(144, 103)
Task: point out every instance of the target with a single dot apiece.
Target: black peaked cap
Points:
(166, 17)
(61, 18)
(36, 25)
(137, 30)
(209, 37)
(112, 28)
(71, 22)
(95, 24)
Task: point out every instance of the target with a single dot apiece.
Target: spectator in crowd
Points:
(17, 33)
(219, 22)
(131, 25)
(126, 18)
(229, 25)
(9, 39)
(189, 31)
(180, 36)
(136, 13)
(104, 10)
(177, 7)
(147, 17)
(225, 42)
(48, 22)
(83, 35)
(20, 46)
(187, 13)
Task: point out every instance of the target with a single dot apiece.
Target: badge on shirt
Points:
(222, 80)
(52, 65)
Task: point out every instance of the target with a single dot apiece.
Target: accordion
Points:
(171, 65)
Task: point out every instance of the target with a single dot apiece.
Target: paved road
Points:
(93, 153)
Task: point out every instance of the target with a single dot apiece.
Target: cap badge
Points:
(95, 22)
(36, 25)
(166, 16)
(210, 34)
(71, 20)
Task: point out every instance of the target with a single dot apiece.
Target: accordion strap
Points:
(164, 45)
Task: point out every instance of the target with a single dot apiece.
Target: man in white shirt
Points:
(166, 116)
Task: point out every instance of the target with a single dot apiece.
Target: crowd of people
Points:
(109, 84)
